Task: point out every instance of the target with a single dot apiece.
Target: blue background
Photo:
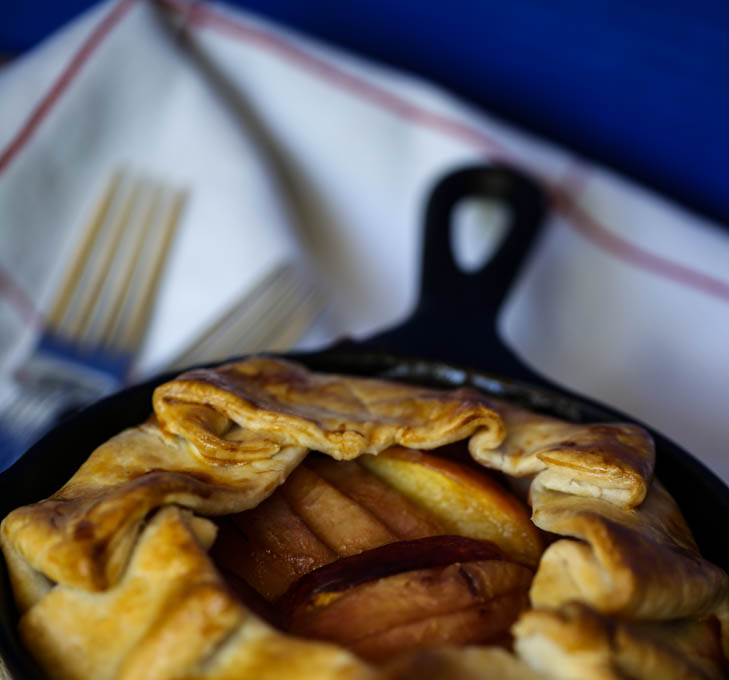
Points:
(641, 86)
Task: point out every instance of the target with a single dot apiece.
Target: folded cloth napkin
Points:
(293, 149)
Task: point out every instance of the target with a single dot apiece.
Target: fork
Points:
(272, 316)
(98, 318)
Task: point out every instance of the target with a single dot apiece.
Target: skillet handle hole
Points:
(479, 226)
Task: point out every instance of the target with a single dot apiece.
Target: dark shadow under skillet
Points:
(452, 328)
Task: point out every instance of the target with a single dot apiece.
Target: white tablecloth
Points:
(289, 148)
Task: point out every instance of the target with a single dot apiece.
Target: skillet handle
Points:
(457, 313)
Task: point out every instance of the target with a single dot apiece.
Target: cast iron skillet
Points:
(454, 321)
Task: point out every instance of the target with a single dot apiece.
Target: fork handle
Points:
(97, 359)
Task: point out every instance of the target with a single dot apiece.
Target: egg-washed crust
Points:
(342, 416)
(83, 534)
(113, 580)
(575, 642)
(612, 461)
(169, 615)
(642, 563)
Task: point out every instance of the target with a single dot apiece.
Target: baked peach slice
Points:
(402, 517)
(463, 593)
(339, 522)
(324, 510)
(269, 547)
(464, 500)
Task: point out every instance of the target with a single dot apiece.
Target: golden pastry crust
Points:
(576, 642)
(612, 461)
(169, 615)
(342, 416)
(82, 535)
(640, 563)
(113, 579)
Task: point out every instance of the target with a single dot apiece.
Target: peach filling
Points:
(384, 554)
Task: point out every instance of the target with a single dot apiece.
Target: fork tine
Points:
(297, 324)
(107, 293)
(108, 286)
(278, 309)
(127, 263)
(249, 334)
(266, 319)
(14, 412)
(270, 327)
(204, 345)
(62, 301)
(91, 287)
(37, 409)
(281, 286)
(168, 217)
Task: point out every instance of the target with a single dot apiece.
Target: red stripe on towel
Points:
(12, 292)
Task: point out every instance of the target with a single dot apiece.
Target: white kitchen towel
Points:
(292, 148)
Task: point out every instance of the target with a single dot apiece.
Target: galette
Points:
(268, 521)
